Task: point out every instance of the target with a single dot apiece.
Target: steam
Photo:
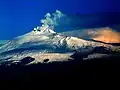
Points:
(107, 35)
(52, 20)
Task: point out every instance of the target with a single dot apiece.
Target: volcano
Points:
(44, 46)
(43, 43)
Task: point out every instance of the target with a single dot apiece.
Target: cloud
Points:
(107, 35)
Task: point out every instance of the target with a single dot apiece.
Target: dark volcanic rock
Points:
(46, 60)
(102, 68)
(27, 60)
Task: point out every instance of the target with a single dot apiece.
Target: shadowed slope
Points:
(102, 68)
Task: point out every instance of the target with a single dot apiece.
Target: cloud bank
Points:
(106, 35)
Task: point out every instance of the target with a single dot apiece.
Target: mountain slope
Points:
(46, 44)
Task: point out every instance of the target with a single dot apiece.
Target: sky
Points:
(18, 17)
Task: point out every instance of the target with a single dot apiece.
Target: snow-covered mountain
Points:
(44, 43)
